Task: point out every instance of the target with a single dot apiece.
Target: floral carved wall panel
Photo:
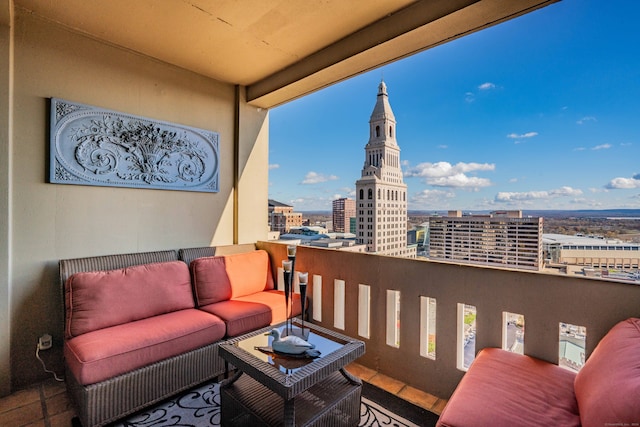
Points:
(94, 146)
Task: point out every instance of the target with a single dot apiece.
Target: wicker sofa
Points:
(142, 327)
(505, 389)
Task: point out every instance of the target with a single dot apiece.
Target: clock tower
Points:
(381, 194)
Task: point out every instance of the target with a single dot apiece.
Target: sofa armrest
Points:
(504, 389)
(608, 385)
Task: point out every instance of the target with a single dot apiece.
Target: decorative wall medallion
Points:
(94, 146)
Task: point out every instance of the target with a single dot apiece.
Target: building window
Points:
(377, 131)
(391, 131)
(370, 194)
(361, 193)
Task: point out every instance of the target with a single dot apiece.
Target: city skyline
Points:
(534, 113)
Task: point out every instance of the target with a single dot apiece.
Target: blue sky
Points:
(540, 112)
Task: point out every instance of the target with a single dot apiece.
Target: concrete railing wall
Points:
(544, 300)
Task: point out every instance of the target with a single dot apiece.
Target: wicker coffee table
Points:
(273, 390)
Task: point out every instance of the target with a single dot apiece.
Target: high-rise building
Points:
(381, 194)
(282, 217)
(343, 210)
(500, 239)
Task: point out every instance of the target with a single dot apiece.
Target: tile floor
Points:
(48, 405)
(410, 394)
(44, 405)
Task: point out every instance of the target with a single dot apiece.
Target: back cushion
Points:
(100, 299)
(210, 281)
(608, 385)
(249, 272)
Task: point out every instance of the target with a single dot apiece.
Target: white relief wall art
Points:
(94, 146)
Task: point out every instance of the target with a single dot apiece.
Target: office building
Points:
(381, 204)
(282, 217)
(499, 239)
(590, 251)
(343, 210)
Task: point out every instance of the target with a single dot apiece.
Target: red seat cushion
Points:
(240, 316)
(101, 299)
(99, 355)
(253, 311)
(210, 281)
(608, 385)
(275, 300)
(504, 389)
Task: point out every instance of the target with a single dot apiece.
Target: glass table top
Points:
(286, 363)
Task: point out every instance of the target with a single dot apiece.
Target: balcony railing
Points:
(389, 302)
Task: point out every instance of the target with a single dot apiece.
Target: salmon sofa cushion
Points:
(103, 354)
(210, 281)
(276, 303)
(101, 299)
(608, 385)
(240, 316)
(249, 272)
(224, 277)
(504, 389)
(255, 311)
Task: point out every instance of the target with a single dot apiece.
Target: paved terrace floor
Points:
(48, 405)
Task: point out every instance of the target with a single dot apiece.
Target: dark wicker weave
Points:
(332, 402)
(301, 397)
(100, 403)
(189, 254)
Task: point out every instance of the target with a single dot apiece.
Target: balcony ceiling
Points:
(278, 49)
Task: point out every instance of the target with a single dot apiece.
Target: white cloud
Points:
(487, 86)
(431, 197)
(602, 147)
(624, 183)
(444, 169)
(469, 97)
(443, 146)
(459, 180)
(579, 149)
(274, 166)
(513, 180)
(586, 120)
(444, 174)
(317, 178)
(523, 135)
(507, 197)
(593, 204)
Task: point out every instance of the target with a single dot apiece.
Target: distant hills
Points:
(585, 213)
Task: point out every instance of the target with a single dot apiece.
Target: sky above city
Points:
(540, 112)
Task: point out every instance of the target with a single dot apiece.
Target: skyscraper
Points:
(381, 194)
(501, 239)
(343, 210)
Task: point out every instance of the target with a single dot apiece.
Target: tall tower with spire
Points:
(381, 194)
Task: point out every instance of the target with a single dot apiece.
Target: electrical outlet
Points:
(45, 342)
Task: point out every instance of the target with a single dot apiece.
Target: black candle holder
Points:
(288, 287)
(303, 299)
(289, 274)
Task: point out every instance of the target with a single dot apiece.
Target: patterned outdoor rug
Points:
(201, 407)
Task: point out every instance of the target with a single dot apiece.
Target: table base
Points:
(334, 401)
